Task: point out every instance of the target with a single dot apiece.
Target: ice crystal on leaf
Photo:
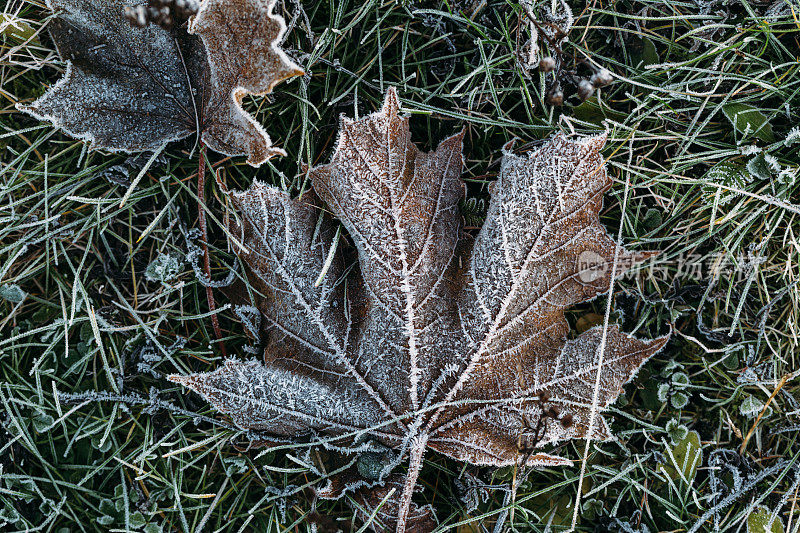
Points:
(132, 89)
(437, 341)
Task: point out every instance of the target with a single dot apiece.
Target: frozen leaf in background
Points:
(652, 219)
(132, 89)
(12, 292)
(16, 29)
(554, 511)
(684, 458)
(437, 341)
(379, 507)
(241, 39)
(164, 268)
(761, 521)
(123, 173)
(595, 111)
(749, 120)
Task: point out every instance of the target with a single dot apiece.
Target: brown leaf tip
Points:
(186, 381)
(389, 111)
(391, 103)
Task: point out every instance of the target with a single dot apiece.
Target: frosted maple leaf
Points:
(436, 341)
(133, 89)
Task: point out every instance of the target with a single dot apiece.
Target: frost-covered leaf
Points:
(437, 341)
(41, 421)
(793, 137)
(164, 268)
(132, 89)
(761, 520)
(137, 520)
(12, 292)
(679, 400)
(676, 431)
(730, 176)
(122, 173)
(751, 406)
(763, 166)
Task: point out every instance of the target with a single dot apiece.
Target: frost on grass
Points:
(132, 89)
(123, 173)
(436, 341)
(731, 478)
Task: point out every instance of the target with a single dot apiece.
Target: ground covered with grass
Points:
(102, 298)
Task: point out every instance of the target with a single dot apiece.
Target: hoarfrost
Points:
(436, 341)
(133, 89)
(164, 268)
(12, 292)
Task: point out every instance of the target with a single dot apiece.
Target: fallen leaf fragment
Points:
(437, 341)
(132, 89)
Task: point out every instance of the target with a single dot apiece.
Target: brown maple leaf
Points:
(131, 89)
(437, 340)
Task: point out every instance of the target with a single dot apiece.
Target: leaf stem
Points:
(418, 445)
(201, 218)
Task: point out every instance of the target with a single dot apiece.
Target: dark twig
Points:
(201, 217)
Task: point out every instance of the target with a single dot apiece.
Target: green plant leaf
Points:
(684, 458)
(595, 112)
(759, 522)
(751, 406)
(748, 120)
(137, 520)
(16, 30)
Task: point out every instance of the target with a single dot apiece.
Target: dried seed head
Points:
(585, 89)
(566, 420)
(185, 8)
(553, 412)
(601, 77)
(136, 15)
(555, 96)
(547, 64)
(544, 396)
(164, 13)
